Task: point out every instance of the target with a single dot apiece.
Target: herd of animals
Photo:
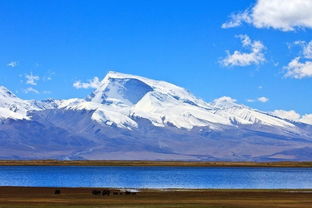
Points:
(104, 192)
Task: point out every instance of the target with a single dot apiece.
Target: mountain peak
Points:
(125, 89)
(120, 89)
(13, 107)
(114, 74)
(5, 93)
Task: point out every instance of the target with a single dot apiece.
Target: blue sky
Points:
(46, 46)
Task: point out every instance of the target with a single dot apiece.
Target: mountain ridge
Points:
(132, 117)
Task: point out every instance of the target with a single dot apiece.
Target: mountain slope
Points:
(127, 96)
(132, 117)
(13, 107)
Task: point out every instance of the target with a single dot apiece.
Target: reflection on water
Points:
(156, 177)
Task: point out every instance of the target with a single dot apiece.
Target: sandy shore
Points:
(93, 197)
(150, 163)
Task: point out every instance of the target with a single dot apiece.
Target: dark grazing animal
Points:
(96, 192)
(105, 193)
(57, 191)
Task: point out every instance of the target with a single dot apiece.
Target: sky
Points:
(257, 52)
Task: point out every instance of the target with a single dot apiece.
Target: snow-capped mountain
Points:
(122, 97)
(132, 117)
(14, 107)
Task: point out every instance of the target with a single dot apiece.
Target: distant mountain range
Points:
(134, 118)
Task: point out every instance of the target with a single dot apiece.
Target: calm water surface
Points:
(156, 177)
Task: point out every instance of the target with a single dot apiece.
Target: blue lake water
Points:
(156, 177)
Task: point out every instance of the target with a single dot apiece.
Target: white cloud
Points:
(31, 79)
(12, 64)
(250, 100)
(259, 99)
(224, 99)
(306, 48)
(31, 90)
(255, 56)
(237, 19)
(94, 83)
(298, 69)
(290, 115)
(306, 119)
(277, 14)
(263, 99)
(293, 116)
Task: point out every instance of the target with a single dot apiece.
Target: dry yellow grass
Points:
(21, 197)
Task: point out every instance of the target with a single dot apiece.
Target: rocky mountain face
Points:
(134, 118)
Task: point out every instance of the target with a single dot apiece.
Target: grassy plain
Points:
(22, 197)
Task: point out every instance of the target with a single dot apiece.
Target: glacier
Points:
(129, 117)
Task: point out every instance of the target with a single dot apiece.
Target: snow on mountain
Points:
(103, 113)
(163, 109)
(227, 107)
(132, 117)
(129, 89)
(160, 102)
(121, 98)
(13, 107)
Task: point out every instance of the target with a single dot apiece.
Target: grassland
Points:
(22, 197)
(149, 163)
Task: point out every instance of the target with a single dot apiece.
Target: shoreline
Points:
(141, 190)
(48, 197)
(152, 163)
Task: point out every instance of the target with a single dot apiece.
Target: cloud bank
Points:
(293, 116)
(284, 15)
(31, 90)
(238, 58)
(31, 79)
(259, 99)
(93, 84)
(301, 66)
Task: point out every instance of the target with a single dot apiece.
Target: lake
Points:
(156, 177)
